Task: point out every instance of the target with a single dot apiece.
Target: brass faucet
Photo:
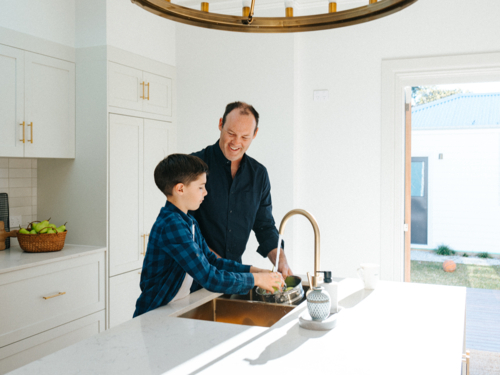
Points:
(315, 226)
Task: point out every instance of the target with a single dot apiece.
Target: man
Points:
(239, 192)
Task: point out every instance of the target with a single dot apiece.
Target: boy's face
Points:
(195, 192)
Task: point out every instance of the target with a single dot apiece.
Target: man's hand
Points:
(268, 281)
(258, 270)
(283, 266)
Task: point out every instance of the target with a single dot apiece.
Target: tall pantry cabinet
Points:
(141, 133)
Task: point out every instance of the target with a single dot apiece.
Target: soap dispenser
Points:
(332, 288)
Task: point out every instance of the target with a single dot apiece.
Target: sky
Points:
(477, 88)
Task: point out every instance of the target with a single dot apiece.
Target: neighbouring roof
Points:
(459, 111)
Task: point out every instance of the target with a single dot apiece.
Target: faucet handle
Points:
(328, 276)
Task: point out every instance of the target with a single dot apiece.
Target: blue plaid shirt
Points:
(172, 251)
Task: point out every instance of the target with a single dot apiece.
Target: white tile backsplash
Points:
(19, 163)
(18, 178)
(19, 173)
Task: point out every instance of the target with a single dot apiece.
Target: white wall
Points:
(215, 68)
(344, 133)
(52, 20)
(133, 29)
(464, 187)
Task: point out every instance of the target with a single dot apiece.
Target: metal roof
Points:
(459, 111)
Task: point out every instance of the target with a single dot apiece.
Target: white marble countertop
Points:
(399, 328)
(15, 258)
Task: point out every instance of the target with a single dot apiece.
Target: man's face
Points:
(195, 192)
(237, 134)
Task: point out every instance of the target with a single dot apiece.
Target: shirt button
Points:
(229, 230)
(230, 212)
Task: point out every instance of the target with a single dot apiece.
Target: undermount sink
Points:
(241, 309)
(248, 313)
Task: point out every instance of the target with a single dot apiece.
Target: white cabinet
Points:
(35, 347)
(37, 105)
(139, 90)
(123, 293)
(49, 306)
(136, 146)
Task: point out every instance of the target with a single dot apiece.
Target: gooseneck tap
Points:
(315, 226)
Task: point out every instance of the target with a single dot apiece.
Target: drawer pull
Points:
(55, 295)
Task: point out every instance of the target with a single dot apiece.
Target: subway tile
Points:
(19, 182)
(4, 190)
(33, 201)
(4, 182)
(4, 173)
(34, 182)
(34, 192)
(19, 173)
(20, 192)
(20, 211)
(34, 173)
(34, 163)
(26, 219)
(34, 211)
(20, 202)
(4, 163)
(20, 163)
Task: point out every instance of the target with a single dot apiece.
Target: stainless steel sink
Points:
(249, 313)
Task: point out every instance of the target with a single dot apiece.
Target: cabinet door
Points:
(50, 107)
(123, 293)
(125, 89)
(158, 94)
(11, 101)
(158, 143)
(125, 194)
(35, 347)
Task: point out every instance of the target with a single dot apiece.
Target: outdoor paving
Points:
(483, 319)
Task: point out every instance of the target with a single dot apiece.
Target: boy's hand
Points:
(268, 280)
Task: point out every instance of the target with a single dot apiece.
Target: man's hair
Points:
(178, 169)
(245, 109)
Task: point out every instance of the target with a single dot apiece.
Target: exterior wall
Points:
(464, 187)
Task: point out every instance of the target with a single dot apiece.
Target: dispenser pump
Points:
(328, 276)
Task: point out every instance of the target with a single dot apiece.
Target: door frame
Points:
(396, 75)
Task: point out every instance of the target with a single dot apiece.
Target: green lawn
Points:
(469, 275)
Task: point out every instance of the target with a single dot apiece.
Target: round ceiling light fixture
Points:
(289, 24)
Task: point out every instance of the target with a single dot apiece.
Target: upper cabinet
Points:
(37, 105)
(139, 90)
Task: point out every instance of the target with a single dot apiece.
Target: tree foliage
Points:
(425, 94)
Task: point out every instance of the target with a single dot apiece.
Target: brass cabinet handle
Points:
(147, 84)
(24, 139)
(142, 97)
(144, 246)
(31, 126)
(55, 295)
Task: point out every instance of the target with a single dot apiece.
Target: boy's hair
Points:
(178, 169)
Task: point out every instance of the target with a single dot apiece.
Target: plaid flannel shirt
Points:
(175, 249)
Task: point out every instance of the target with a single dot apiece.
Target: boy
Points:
(178, 260)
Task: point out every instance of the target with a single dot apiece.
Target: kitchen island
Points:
(399, 328)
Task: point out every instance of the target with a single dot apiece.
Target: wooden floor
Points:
(483, 319)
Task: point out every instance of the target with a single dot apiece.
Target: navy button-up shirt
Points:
(234, 207)
(175, 249)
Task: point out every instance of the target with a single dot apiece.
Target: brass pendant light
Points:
(248, 23)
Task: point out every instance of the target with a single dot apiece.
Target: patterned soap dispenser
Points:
(318, 303)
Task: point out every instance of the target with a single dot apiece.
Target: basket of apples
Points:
(42, 236)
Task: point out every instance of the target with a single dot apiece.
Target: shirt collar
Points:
(222, 159)
(169, 206)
